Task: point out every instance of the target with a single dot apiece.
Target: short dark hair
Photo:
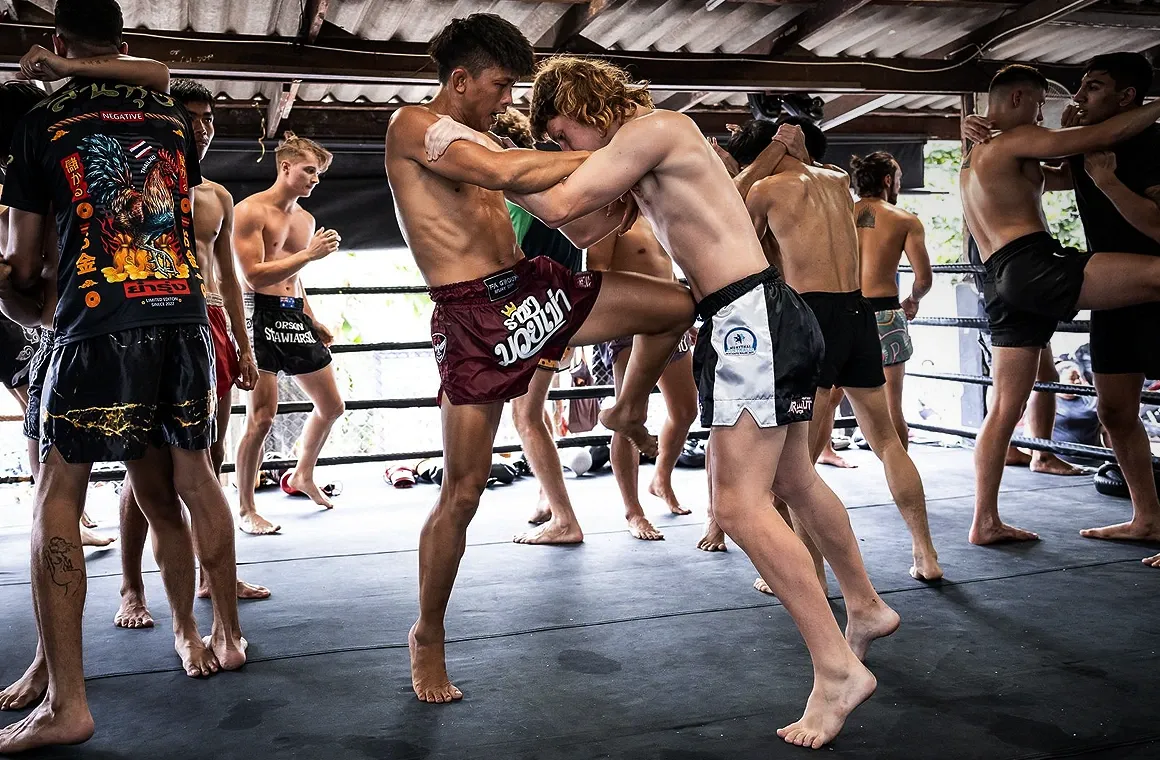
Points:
(16, 99)
(186, 91)
(870, 171)
(97, 23)
(480, 41)
(754, 136)
(816, 141)
(1126, 70)
(1016, 74)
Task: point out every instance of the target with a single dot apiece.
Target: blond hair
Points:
(295, 148)
(516, 127)
(586, 90)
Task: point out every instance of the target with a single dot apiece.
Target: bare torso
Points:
(882, 228)
(209, 209)
(456, 231)
(283, 234)
(1002, 196)
(811, 215)
(695, 211)
(639, 251)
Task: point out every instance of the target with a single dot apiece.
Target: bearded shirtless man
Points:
(639, 251)
(274, 240)
(496, 312)
(757, 356)
(1032, 282)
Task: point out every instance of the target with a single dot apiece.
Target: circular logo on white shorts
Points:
(740, 341)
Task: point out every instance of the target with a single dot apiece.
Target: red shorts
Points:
(225, 354)
(489, 334)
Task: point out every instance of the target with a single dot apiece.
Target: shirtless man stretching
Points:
(274, 240)
(639, 251)
(213, 218)
(756, 359)
(805, 214)
(1031, 281)
(886, 233)
(496, 313)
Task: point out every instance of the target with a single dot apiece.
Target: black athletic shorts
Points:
(37, 370)
(760, 350)
(853, 356)
(1127, 341)
(109, 397)
(284, 337)
(17, 345)
(1030, 285)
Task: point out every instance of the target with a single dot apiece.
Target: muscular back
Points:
(455, 230)
(209, 211)
(1002, 195)
(882, 229)
(810, 213)
(283, 234)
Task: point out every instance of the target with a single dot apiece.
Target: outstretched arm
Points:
(1030, 141)
(41, 63)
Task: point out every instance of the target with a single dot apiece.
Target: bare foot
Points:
(307, 486)
(830, 703)
(640, 527)
(1129, 531)
(44, 727)
(1149, 561)
(133, 613)
(30, 688)
(552, 532)
(542, 514)
(830, 457)
(925, 567)
(230, 655)
(998, 533)
(713, 540)
(1017, 458)
(245, 591)
(618, 420)
(665, 493)
(429, 671)
(88, 538)
(256, 525)
(198, 661)
(763, 587)
(1050, 464)
(87, 521)
(864, 626)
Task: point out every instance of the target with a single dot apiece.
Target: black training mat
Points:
(619, 648)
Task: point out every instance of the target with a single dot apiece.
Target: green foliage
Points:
(942, 214)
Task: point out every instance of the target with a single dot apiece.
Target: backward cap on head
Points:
(481, 41)
(588, 91)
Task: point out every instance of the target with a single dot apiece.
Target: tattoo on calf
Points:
(59, 558)
(866, 218)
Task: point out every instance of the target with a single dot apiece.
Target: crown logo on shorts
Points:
(509, 309)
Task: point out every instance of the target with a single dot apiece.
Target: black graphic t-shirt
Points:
(1138, 167)
(116, 163)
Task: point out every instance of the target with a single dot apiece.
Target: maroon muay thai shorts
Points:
(489, 334)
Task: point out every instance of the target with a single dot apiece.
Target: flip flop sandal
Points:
(400, 477)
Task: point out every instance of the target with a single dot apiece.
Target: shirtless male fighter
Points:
(213, 212)
(639, 251)
(129, 374)
(886, 232)
(274, 240)
(756, 359)
(1118, 195)
(496, 312)
(1032, 282)
(805, 215)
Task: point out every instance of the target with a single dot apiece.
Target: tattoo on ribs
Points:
(59, 558)
(866, 218)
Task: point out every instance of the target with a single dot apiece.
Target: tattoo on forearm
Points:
(865, 218)
(59, 558)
